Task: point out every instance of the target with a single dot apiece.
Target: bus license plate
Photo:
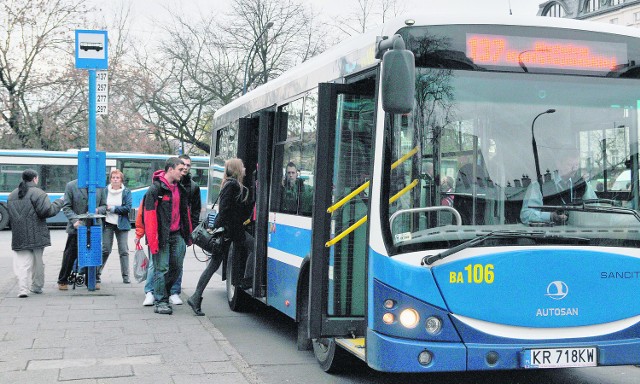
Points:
(560, 357)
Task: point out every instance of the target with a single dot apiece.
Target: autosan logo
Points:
(557, 290)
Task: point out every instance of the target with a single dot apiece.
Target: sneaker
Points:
(63, 286)
(163, 308)
(125, 279)
(175, 299)
(148, 299)
(23, 295)
(36, 290)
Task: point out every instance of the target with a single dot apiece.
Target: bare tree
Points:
(367, 14)
(295, 36)
(39, 91)
(124, 128)
(200, 65)
(184, 83)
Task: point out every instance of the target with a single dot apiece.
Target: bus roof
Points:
(357, 53)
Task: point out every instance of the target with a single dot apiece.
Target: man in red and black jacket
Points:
(167, 228)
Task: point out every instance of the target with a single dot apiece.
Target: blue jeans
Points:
(176, 288)
(168, 266)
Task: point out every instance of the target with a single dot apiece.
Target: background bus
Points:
(56, 169)
(379, 268)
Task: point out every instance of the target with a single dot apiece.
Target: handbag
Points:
(140, 264)
(205, 235)
(208, 238)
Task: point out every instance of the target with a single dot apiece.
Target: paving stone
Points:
(106, 336)
(96, 372)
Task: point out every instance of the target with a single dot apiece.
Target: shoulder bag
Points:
(207, 237)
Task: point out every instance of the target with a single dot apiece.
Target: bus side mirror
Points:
(398, 83)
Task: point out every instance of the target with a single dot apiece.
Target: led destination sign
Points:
(533, 52)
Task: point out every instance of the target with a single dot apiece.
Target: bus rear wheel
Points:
(237, 298)
(331, 357)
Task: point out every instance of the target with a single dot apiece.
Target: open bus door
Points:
(249, 139)
(337, 299)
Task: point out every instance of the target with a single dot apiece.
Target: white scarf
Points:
(114, 199)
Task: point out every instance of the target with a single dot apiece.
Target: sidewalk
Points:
(107, 336)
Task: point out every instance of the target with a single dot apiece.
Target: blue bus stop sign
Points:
(92, 51)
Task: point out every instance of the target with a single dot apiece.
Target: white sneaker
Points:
(175, 299)
(148, 299)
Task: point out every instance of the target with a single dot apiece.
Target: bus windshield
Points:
(477, 135)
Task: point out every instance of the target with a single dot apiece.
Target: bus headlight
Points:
(409, 318)
(433, 325)
(388, 318)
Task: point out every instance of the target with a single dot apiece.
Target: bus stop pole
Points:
(91, 270)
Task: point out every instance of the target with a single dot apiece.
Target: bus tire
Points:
(237, 298)
(331, 357)
(303, 341)
(4, 217)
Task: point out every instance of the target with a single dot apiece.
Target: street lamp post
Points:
(535, 147)
(246, 67)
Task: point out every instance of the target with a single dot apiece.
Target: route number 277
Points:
(473, 274)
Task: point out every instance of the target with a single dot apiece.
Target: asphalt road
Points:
(266, 341)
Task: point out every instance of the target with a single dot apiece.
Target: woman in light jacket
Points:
(29, 207)
(118, 198)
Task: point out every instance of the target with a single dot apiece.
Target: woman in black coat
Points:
(29, 207)
(235, 207)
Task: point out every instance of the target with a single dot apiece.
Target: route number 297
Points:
(473, 274)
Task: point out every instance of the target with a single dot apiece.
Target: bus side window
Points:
(295, 151)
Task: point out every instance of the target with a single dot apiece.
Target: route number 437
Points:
(473, 274)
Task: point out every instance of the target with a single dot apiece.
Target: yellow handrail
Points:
(347, 231)
(358, 223)
(405, 157)
(403, 191)
(350, 196)
(364, 186)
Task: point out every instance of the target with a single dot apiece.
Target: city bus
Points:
(527, 116)
(56, 168)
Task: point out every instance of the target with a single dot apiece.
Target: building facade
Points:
(622, 12)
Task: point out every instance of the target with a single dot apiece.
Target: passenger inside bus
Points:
(296, 196)
(473, 188)
(559, 188)
(446, 189)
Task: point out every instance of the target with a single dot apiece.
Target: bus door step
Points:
(355, 346)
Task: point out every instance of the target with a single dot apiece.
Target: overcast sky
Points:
(144, 11)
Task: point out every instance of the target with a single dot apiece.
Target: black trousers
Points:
(69, 256)
(217, 256)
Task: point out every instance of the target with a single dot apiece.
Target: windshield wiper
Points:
(428, 260)
(584, 207)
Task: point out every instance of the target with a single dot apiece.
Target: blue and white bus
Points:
(57, 168)
(509, 108)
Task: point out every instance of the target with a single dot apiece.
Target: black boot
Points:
(195, 304)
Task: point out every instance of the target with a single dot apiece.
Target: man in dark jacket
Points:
(193, 191)
(29, 207)
(76, 202)
(167, 225)
(195, 205)
(296, 196)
